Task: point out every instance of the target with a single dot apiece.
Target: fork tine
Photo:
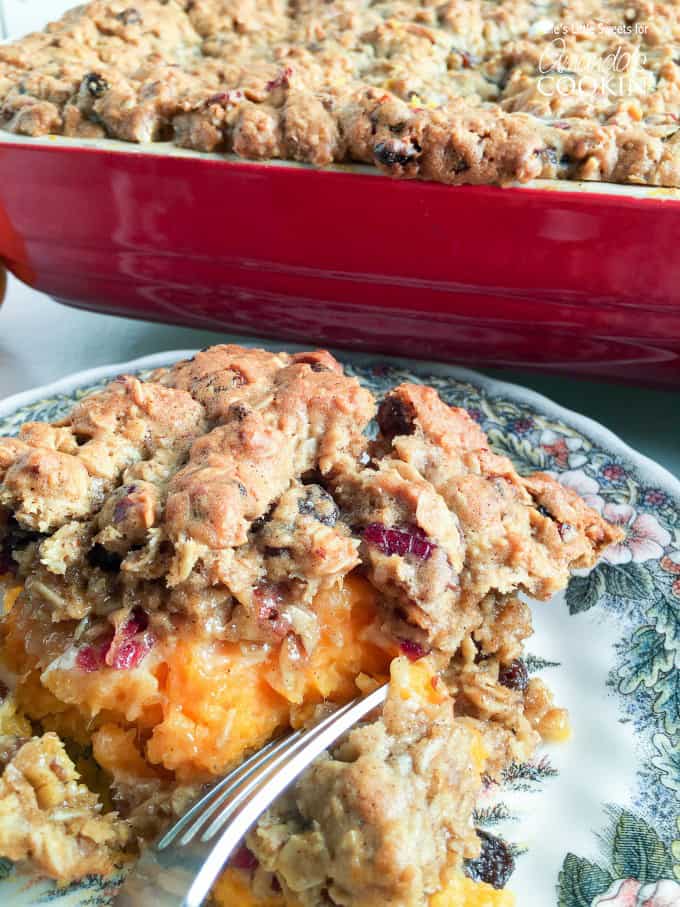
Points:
(272, 785)
(240, 772)
(266, 771)
(268, 757)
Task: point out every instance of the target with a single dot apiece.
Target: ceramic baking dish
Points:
(582, 278)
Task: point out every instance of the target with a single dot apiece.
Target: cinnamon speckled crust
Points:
(47, 816)
(464, 91)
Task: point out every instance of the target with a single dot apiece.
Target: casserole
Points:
(563, 276)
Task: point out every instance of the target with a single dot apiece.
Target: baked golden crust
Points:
(492, 531)
(464, 91)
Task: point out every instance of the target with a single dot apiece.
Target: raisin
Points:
(96, 84)
(396, 152)
(408, 540)
(395, 417)
(318, 503)
(130, 16)
(237, 411)
(549, 154)
(545, 512)
(7, 564)
(108, 561)
(514, 676)
(494, 865)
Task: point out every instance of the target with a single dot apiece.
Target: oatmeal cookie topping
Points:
(464, 91)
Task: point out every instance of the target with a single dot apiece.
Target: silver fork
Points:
(183, 865)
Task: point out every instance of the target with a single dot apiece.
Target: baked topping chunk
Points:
(462, 91)
(413, 775)
(47, 816)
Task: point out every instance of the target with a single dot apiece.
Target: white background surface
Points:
(21, 16)
(41, 340)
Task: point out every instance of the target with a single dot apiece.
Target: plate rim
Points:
(591, 428)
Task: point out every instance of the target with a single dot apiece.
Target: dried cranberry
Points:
(121, 650)
(412, 650)
(244, 859)
(276, 885)
(96, 84)
(130, 652)
(92, 658)
(409, 540)
(225, 98)
(136, 623)
(395, 417)
(494, 865)
(282, 80)
(131, 642)
(269, 597)
(514, 676)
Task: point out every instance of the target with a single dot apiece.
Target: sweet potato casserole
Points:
(197, 560)
(458, 91)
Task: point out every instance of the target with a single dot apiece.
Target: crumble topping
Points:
(461, 91)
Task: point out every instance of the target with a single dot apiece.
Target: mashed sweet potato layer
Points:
(193, 706)
(234, 888)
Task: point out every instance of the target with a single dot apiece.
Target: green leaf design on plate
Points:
(581, 881)
(632, 581)
(646, 660)
(6, 867)
(665, 613)
(583, 592)
(667, 703)
(637, 850)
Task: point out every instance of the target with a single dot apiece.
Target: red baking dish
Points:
(580, 278)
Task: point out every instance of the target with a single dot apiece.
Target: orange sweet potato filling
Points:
(195, 706)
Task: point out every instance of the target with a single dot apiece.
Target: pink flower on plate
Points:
(578, 481)
(665, 893)
(645, 537)
(631, 893)
(621, 893)
(565, 451)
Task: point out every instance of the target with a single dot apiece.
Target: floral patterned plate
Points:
(594, 822)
